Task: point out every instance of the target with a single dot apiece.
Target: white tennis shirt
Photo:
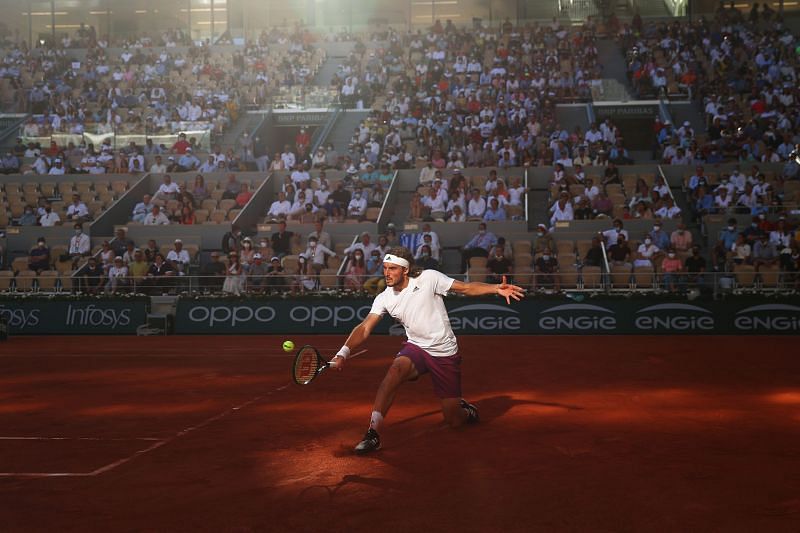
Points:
(420, 308)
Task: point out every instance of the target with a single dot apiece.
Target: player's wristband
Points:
(344, 352)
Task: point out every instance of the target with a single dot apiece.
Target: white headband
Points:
(389, 258)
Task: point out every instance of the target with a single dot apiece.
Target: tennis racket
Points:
(308, 364)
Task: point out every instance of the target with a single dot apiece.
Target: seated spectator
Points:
(594, 256)
(669, 209)
(158, 167)
(168, 190)
(156, 218)
(79, 245)
(142, 209)
(561, 209)
(645, 253)
(365, 244)
(257, 274)
(138, 268)
(661, 239)
(499, 266)
(232, 188)
(282, 240)
(764, 252)
(476, 207)
(494, 211)
(187, 216)
(741, 251)
(426, 261)
(49, 218)
(375, 281)
(602, 205)
(244, 196)
(671, 267)
(357, 207)
(39, 257)
(478, 246)
(121, 242)
(179, 258)
(77, 211)
(246, 253)
(544, 240)
(316, 254)
(151, 250)
(28, 217)
(583, 211)
(209, 166)
(280, 208)
(213, 273)
(303, 281)
(457, 215)
(199, 190)
(159, 276)
(546, 272)
(117, 276)
(619, 253)
(107, 255)
(93, 276)
(681, 240)
(695, 268)
(234, 276)
(276, 280)
(356, 271)
(188, 162)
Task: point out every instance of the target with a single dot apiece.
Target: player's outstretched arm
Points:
(475, 288)
(356, 337)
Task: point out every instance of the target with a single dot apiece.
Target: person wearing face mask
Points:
(49, 218)
(695, 268)
(357, 206)
(671, 267)
(499, 265)
(317, 253)
(28, 217)
(544, 240)
(39, 257)
(478, 246)
(546, 272)
(611, 236)
(356, 271)
(645, 253)
(322, 236)
(681, 239)
(322, 194)
(425, 260)
(79, 245)
(660, 238)
(754, 232)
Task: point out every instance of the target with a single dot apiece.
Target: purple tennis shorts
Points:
(445, 371)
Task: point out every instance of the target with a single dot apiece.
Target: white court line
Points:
(157, 444)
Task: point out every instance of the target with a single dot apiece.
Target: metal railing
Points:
(619, 280)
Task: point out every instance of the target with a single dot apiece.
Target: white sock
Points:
(375, 420)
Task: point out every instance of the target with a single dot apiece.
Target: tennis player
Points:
(414, 297)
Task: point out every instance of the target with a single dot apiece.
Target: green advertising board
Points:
(70, 316)
(593, 316)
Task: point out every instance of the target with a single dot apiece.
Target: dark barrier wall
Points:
(739, 315)
(34, 316)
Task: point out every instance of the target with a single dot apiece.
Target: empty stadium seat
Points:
(592, 277)
(47, 281)
(745, 275)
(620, 277)
(24, 280)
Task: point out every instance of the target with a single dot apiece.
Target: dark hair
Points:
(405, 253)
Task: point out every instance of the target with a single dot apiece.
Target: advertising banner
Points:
(596, 316)
(34, 316)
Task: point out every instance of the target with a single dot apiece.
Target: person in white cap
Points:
(179, 258)
(415, 298)
(58, 168)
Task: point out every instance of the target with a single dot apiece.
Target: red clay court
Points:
(577, 434)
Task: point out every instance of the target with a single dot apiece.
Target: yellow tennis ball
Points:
(288, 346)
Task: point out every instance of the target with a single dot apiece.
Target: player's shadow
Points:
(496, 406)
(385, 485)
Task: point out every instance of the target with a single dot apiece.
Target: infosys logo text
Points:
(20, 318)
(581, 317)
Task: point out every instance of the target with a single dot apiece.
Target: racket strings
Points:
(305, 367)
